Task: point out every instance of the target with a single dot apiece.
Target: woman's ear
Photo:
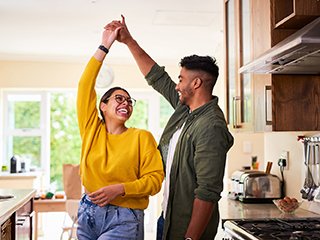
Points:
(103, 106)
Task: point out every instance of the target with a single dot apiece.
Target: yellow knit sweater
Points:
(130, 158)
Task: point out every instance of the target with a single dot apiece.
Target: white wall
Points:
(274, 144)
(61, 75)
(245, 146)
(268, 146)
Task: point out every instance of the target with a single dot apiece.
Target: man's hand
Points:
(124, 35)
(105, 195)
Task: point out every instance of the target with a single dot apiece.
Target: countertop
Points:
(9, 206)
(233, 209)
(7, 175)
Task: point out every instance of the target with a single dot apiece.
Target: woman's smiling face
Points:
(119, 106)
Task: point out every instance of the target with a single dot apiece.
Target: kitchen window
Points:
(26, 128)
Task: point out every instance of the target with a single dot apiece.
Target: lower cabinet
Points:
(24, 221)
(7, 229)
(20, 225)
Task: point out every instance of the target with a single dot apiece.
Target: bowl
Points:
(287, 207)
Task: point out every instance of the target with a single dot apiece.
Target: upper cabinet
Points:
(244, 111)
(238, 52)
(296, 103)
(294, 14)
(296, 97)
(265, 101)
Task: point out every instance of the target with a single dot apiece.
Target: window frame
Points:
(43, 131)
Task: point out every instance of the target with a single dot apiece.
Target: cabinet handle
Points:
(31, 214)
(235, 111)
(20, 221)
(268, 105)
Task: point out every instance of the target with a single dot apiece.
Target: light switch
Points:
(247, 147)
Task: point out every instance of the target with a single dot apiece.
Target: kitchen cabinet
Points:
(291, 100)
(294, 14)
(295, 98)
(7, 229)
(296, 102)
(24, 221)
(16, 214)
(20, 224)
(246, 96)
(239, 86)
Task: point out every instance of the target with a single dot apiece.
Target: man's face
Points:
(185, 86)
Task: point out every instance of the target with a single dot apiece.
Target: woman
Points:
(120, 167)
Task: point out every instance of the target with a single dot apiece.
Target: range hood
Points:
(297, 54)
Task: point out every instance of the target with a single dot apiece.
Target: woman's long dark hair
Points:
(107, 95)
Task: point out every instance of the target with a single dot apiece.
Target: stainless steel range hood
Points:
(297, 54)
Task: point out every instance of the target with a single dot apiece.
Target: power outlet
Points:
(285, 155)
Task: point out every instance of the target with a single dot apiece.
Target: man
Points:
(193, 145)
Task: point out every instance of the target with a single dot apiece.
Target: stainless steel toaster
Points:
(256, 186)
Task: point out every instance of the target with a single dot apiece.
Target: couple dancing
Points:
(121, 167)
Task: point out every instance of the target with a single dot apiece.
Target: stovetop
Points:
(273, 229)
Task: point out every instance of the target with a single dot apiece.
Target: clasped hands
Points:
(120, 28)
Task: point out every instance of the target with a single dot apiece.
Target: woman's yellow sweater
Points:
(130, 158)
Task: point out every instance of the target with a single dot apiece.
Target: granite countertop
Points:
(9, 206)
(233, 209)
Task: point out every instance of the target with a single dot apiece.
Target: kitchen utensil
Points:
(317, 165)
(317, 195)
(310, 160)
(305, 185)
(269, 166)
(308, 185)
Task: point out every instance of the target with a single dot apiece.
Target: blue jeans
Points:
(109, 222)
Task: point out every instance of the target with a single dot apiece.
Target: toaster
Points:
(255, 186)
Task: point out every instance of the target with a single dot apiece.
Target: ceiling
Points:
(70, 30)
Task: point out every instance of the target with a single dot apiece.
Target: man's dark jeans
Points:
(160, 227)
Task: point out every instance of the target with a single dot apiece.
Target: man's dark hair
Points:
(107, 95)
(202, 63)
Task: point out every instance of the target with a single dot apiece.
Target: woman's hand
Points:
(105, 195)
(110, 33)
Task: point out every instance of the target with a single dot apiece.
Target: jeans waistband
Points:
(86, 199)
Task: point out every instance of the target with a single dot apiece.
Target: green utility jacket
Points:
(199, 160)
